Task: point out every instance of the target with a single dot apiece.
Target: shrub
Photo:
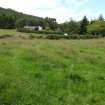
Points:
(53, 37)
(31, 36)
(5, 36)
(97, 28)
(72, 36)
(38, 32)
(39, 36)
(57, 35)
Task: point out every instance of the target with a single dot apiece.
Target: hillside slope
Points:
(8, 17)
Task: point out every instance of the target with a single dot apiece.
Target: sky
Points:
(62, 10)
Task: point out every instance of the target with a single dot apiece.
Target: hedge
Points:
(72, 37)
(5, 36)
(38, 32)
(56, 37)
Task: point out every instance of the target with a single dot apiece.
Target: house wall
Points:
(38, 28)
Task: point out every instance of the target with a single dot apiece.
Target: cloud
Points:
(75, 2)
(62, 10)
(16, 4)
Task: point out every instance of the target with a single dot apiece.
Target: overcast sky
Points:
(62, 10)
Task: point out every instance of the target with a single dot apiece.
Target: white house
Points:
(36, 28)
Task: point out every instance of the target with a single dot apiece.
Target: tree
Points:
(20, 23)
(71, 27)
(51, 23)
(12, 19)
(83, 25)
(97, 28)
(101, 18)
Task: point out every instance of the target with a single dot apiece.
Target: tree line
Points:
(10, 19)
(83, 27)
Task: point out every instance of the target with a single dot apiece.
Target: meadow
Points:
(51, 72)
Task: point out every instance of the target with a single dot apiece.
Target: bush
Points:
(53, 37)
(38, 32)
(31, 36)
(5, 36)
(57, 37)
(97, 28)
(39, 37)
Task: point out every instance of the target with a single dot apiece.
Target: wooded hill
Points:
(8, 18)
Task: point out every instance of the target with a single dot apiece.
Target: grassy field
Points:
(13, 32)
(51, 72)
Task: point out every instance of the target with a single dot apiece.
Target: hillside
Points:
(17, 13)
(8, 17)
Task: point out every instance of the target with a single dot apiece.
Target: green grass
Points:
(13, 32)
(8, 32)
(52, 72)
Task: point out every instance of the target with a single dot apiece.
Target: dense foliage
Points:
(83, 27)
(12, 19)
(71, 27)
(97, 28)
(9, 17)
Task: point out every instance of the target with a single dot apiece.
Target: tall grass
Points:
(52, 72)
